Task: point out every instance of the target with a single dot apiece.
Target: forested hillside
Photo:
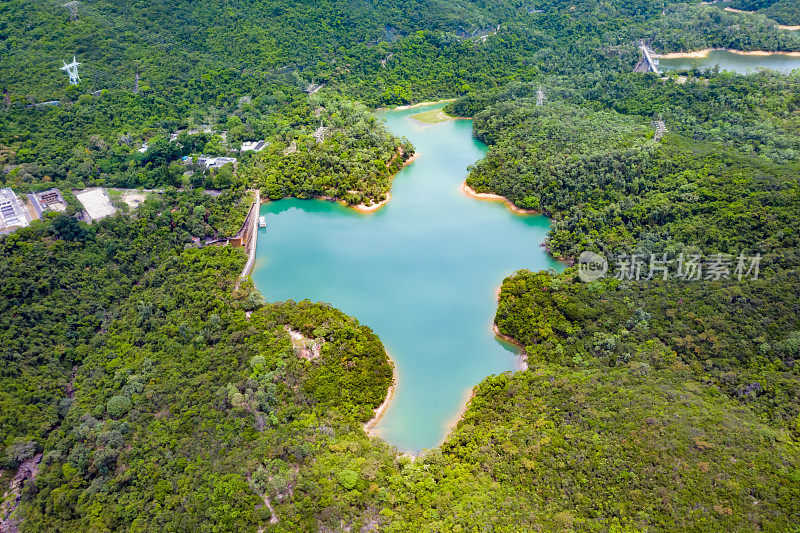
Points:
(724, 179)
(154, 390)
(784, 11)
(243, 71)
(132, 355)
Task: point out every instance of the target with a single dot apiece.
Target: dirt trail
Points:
(11, 498)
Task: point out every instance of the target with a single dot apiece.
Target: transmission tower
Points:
(72, 71)
(72, 7)
(659, 127)
(540, 97)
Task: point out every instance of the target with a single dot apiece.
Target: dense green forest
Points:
(353, 161)
(784, 11)
(157, 391)
(724, 179)
(130, 345)
(247, 76)
(184, 401)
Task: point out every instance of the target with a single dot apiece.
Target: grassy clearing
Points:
(432, 117)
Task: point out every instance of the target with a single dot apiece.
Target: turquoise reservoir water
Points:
(422, 272)
(734, 62)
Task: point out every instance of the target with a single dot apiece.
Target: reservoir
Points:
(422, 272)
(730, 61)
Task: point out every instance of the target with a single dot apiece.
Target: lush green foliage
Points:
(737, 333)
(58, 293)
(616, 449)
(609, 187)
(130, 356)
(164, 396)
(784, 11)
(686, 28)
(353, 159)
(243, 68)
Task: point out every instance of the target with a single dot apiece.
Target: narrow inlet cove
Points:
(733, 62)
(422, 272)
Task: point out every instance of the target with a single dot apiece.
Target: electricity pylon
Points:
(72, 7)
(72, 71)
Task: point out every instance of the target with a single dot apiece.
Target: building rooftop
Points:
(12, 213)
(256, 146)
(96, 203)
(50, 199)
(215, 162)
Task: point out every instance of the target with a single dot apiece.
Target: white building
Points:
(255, 146)
(96, 203)
(13, 214)
(215, 162)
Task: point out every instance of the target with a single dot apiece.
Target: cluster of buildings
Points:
(249, 146)
(219, 162)
(16, 213)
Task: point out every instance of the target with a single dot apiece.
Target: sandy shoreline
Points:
(366, 209)
(469, 191)
(469, 394)
(779, 26)
(734, 10)
(369, 426)
(451, 423)
(363, 208)
(704, 53)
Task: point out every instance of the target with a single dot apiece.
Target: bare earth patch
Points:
(133, 198)
(308, 349)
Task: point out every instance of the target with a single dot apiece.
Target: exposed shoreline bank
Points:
(451, 423)
(700, 54)
(779, 26)
(366, 209)
(469, 191)
(369, 425)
